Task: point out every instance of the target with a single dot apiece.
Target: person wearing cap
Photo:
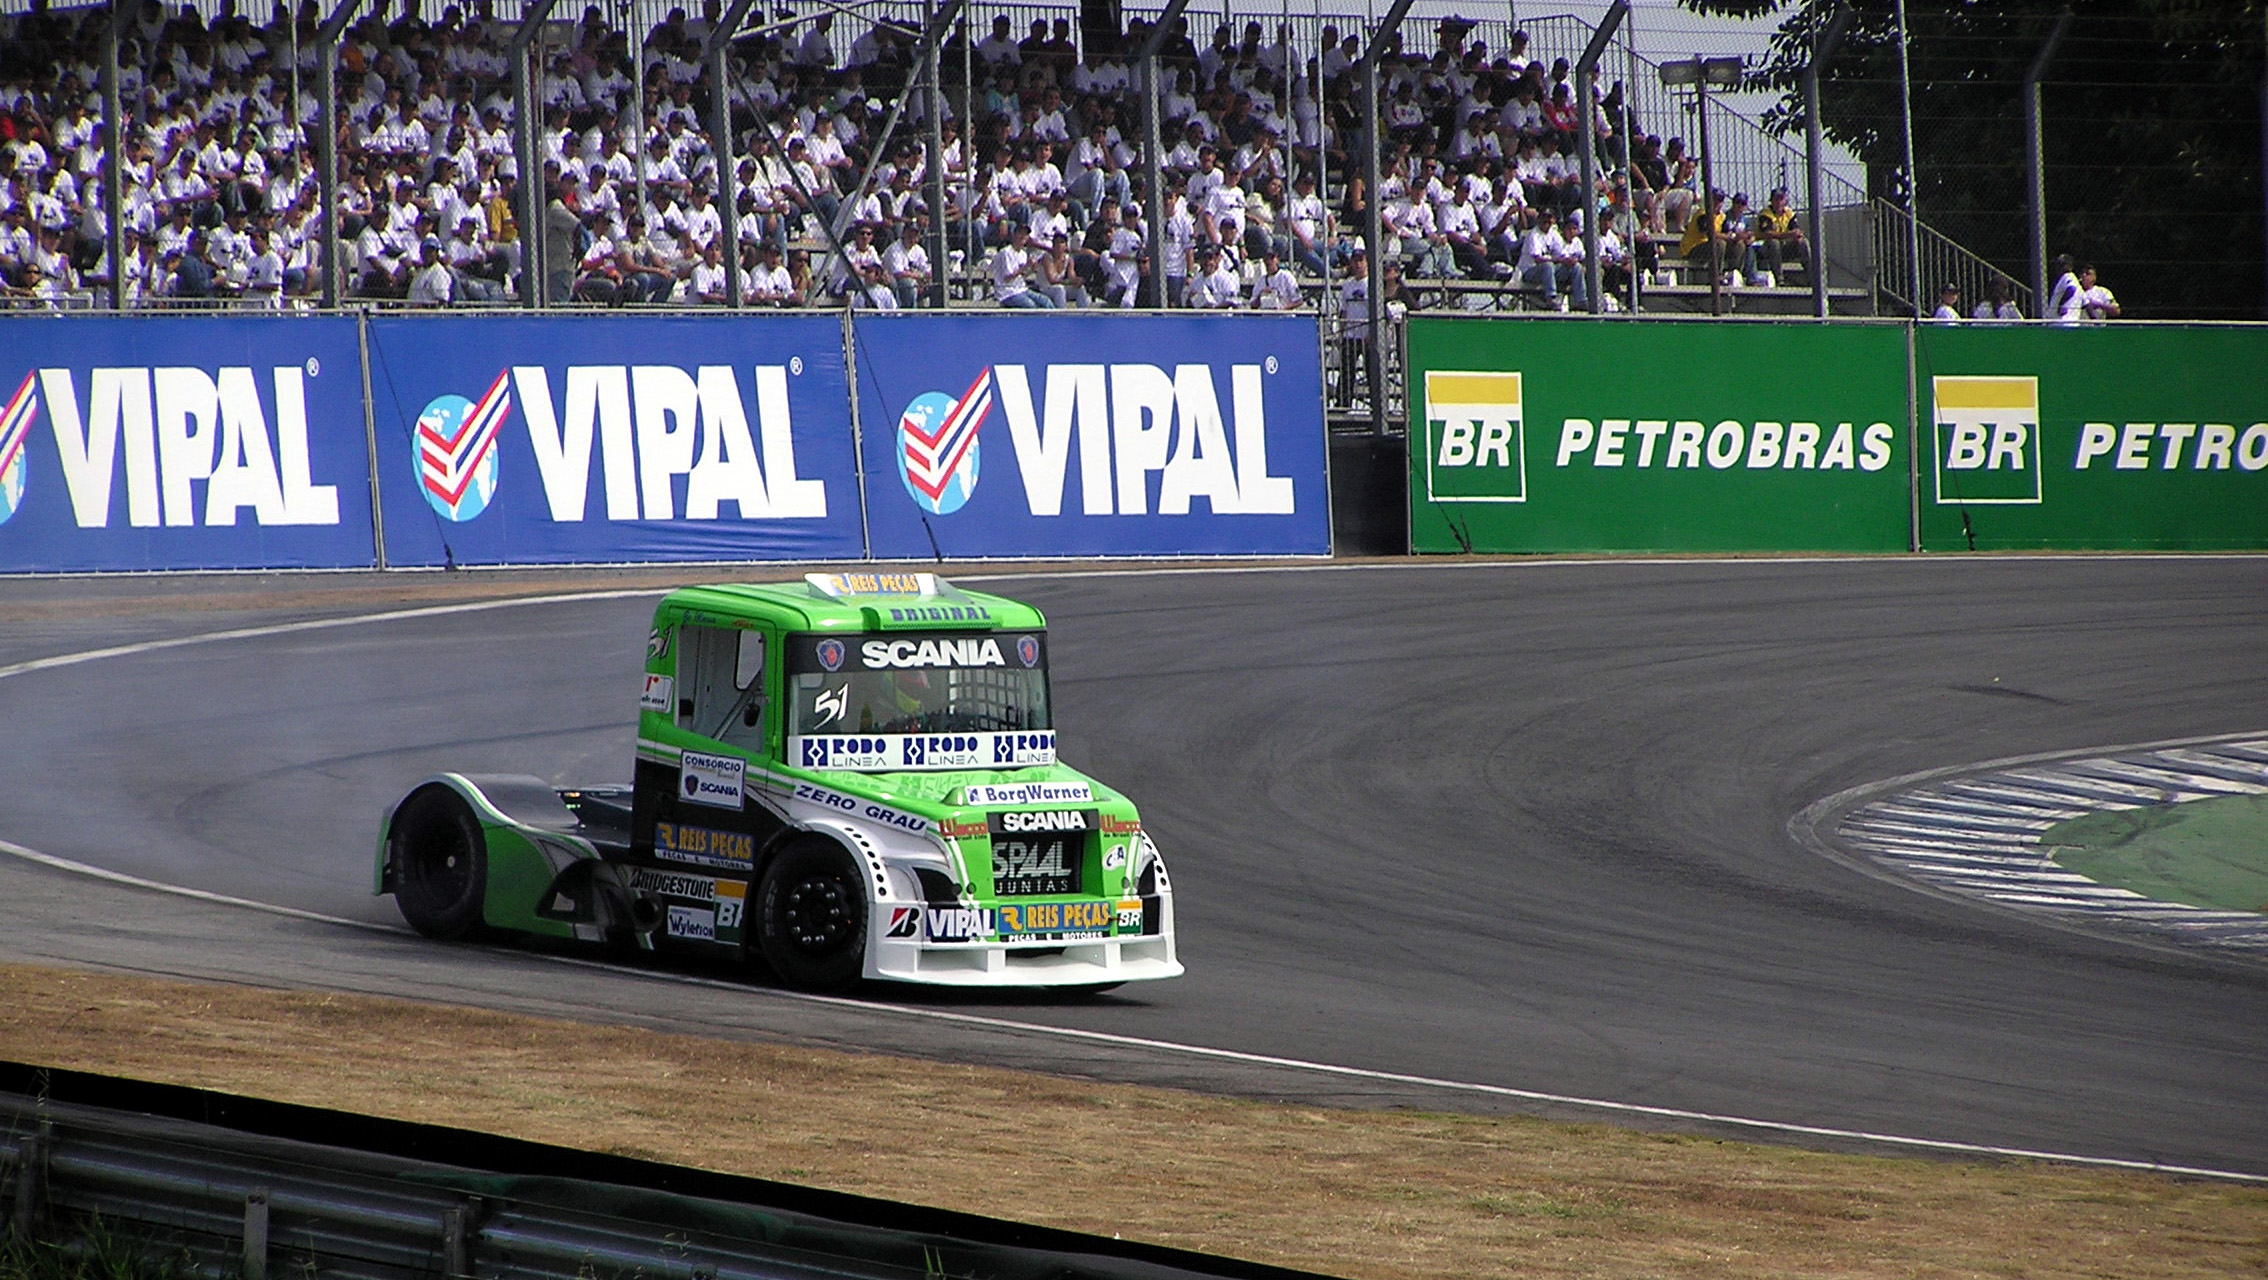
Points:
(906, 263)
(1544, 264)
(768, 283)
(431, 285)
(263, 273)
(1948, 303)
(1125, 260)
(1216, 287)
(1739, 234)
(1275, 288)
(1779, 240)
(847, 270)
(1354, 321)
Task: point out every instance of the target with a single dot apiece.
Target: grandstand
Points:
(617, 195)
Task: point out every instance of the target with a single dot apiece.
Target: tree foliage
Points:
(2151, 115)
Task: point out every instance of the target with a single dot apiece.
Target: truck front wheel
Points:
(440, 864)
(811, 916)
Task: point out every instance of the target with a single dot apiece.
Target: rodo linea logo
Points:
(456, 450)
(15, 430)
(937, 446)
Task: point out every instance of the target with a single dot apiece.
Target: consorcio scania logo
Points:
(456, 450)
(15, 433)
(937, 446)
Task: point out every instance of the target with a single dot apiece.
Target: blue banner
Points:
(605, 439)
(1085, 435)
(182, 442)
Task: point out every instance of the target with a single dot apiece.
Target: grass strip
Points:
(1355, 1193)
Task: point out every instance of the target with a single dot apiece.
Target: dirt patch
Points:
(1360, 1194)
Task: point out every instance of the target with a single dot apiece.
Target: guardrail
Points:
(237, 1193)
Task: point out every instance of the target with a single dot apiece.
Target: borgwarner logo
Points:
(456, 450)
(1129, 422)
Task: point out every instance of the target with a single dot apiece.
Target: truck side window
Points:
(720, 684)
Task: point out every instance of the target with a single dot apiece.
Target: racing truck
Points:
(850, 777)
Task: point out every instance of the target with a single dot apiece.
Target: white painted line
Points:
(219, 899)
(1070, 1033)
(311, 624)
(1176, 1048)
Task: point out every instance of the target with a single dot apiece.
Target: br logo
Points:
(937, 446)
(15, 433)
(456, 450)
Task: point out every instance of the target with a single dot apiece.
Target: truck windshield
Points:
(918, 683)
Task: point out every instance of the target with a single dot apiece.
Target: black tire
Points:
(440, 863)
(811, 916)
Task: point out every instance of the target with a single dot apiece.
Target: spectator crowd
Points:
(1043, 194)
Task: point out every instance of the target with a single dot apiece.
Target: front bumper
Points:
(1129, 957)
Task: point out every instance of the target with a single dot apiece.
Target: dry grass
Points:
(1353, 1193)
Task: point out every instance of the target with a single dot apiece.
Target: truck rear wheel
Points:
(440, 863)
(811, 916)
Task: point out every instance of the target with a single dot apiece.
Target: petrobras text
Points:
(893, 751)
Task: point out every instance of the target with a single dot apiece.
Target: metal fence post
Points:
(256, 1234)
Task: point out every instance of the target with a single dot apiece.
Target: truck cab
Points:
(851, 777)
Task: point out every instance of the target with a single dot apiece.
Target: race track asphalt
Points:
(1512, 824)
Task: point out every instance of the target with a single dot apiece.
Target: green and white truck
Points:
(850, 777)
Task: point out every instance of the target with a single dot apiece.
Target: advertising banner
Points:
(182, 442)
(2097, 436)
(605, 439)
(1579, 435)
(1062, 435)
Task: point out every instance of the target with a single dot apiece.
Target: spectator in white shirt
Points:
(1011, 263)
(1216, 287)
(1277, 289)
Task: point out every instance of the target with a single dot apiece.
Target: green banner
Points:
(1555, 434)
(2098, 436)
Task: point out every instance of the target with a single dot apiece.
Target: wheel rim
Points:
(816, 914)
(443, 872)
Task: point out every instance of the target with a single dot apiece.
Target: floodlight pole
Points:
(1709, 214)
(1586, 89)
(714, 51)
(534, 278)
(2035, 156)
(114, 153)
(1813, 147)
(1153, 144)
(1374, 351)
(327, 39)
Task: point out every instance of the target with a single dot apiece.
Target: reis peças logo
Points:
(937, 446)
(456, 450)
(15, 431)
